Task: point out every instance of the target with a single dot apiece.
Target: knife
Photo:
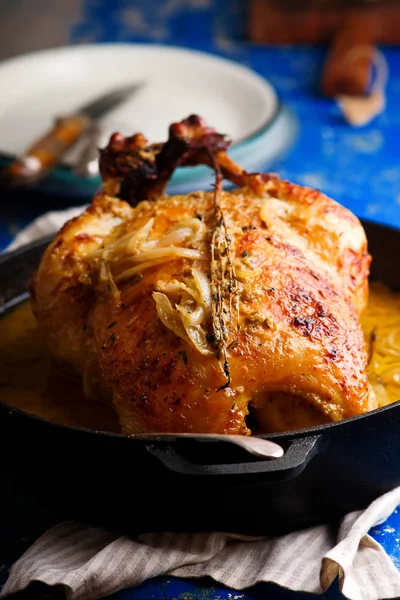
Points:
(87, 163)
(46, 152)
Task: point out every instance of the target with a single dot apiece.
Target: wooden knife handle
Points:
(347, 70)
(47, 152)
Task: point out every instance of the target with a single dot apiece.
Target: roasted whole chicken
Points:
(215, 312)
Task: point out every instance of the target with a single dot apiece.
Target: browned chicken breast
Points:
(219, 311)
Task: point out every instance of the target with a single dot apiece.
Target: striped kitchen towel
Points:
(91, 563)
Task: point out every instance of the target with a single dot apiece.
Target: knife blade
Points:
(87, 163)
(46, 152)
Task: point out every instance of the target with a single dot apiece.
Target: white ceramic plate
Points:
(38, 87)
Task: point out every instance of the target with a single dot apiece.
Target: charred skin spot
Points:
(316, 328)
(84, 237)
(312, 319)
(333, 353)
(168, 369)
(288, 248)
(173, 400)
(304, 325)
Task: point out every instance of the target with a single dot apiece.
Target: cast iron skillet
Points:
(138, 485)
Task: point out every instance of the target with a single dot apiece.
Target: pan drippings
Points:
(30, 381)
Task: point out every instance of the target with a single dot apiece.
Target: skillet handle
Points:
(291, 464)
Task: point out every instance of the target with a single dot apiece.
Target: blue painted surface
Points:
(190, 23)
(358, 167)
(164, 587)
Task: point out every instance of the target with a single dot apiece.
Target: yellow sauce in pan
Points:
(30, 381)
(381, 324)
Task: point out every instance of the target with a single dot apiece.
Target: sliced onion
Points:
(193, 330)
(138, 269)
(196, 314)
(140, 236)
(175, 237)
(389, 344)
(391, 375)
(198, 288)
(169, 316)
(204, 286)
(382, 397)
(244, 274)
(166, 253)
(106, 277)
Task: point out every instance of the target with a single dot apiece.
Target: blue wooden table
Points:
(358, 167)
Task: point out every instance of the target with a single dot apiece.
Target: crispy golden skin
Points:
(299, 358)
